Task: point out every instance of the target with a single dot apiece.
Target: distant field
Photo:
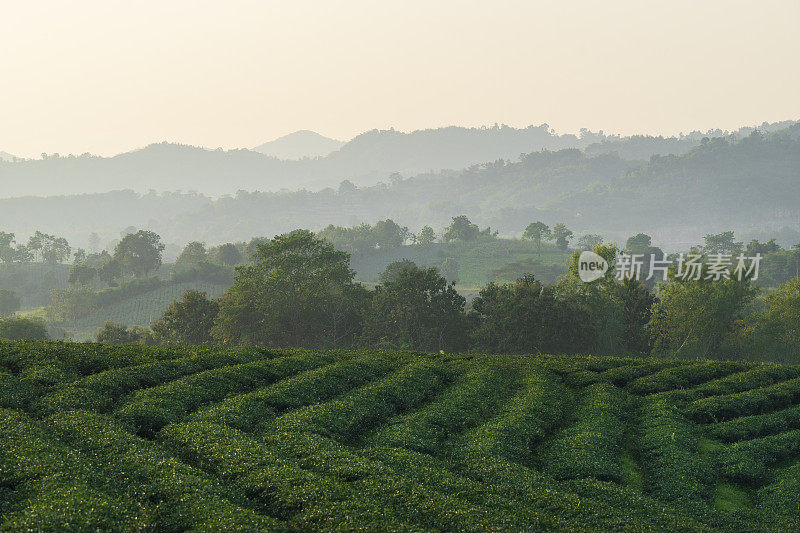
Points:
(140, 310)
(173, 439)
(479, 263)
(33, 281)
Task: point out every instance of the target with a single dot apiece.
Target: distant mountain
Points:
(300, 144)
(369, 158)
(5, 156)
(719, 185)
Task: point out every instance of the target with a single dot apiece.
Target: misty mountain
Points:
(299, 145)
(5, 156)
(365, 160)
(750, 185)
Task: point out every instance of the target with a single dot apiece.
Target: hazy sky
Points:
(106, 76)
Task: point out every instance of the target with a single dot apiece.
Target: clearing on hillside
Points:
(170, 439)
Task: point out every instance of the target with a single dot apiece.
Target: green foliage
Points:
(225, 254)
(9, 303)
(461, 229)
(198, 438)
(776, 329)
(188, 321)
(193, 253)
(692, 318)
(416, 310)
(537, 232)
(20, 328)
(668, 447)
(425, 236)
(561, 235)
(139, 253)
(112, 333)
(528, 316)
(385, 234)
(298, 292)
(591, 446)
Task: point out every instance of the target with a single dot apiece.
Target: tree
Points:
(139, 252)
(51, 249)
(94, 242)
(537, 231)
(7, 252)
(425, 236)
(188, 321)
(299, 291)
(393, 269)
(773, 334)
(388, 234)
(110, 272)
(754, 247)
(417, 310)
(73, 303)
(692, 318)
(112, 333)
(22, 329)
(226, 254)
(641, 245)
(561, 235)
(526, 317)
(449, 270)
(79, 256)
(81, 275)
(589, 241)
(638, 243)
(9, 303)
(193, 253)
(722, 243)
(461, 229)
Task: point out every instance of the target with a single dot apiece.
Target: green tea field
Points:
(173, 439)
(140, 310)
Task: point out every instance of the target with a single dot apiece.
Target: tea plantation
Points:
(171, 439)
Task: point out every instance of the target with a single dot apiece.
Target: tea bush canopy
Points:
(109, 437)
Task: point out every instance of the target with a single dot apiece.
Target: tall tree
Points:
(722, 243)
(692, 318)
(537, 232)
(461, 229)
(417, 310)
(299, 291)
(425, 236)
(193, 253)
(226, 254)
(562, 235)
(139, 253)
(188, 321)
(6, 247)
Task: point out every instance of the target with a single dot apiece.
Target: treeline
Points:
(300, 291)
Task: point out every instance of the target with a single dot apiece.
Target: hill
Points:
(749, 186)
(5, 156)
(719, 185)
(140, 310)
(298, 145)
(135, 438)
(366, 159)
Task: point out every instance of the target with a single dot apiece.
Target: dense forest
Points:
(299, 289)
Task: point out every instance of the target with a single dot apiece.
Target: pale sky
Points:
(107, 76)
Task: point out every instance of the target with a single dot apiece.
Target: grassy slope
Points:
(140, 310)
(479, 263)
(210, 439)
